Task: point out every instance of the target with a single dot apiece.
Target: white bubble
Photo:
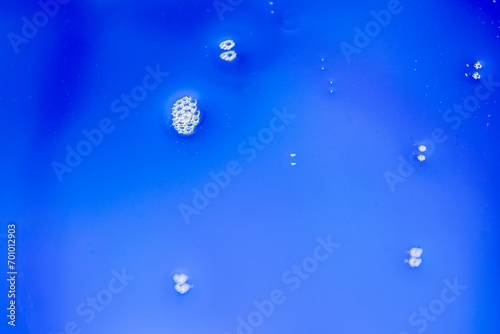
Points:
(227, 44)
(422, 148)
(416, 252)
(185, 115)
(476, 75)
(181, 286)
(478, 65)
(228, 56)
(414, 262)
(180, 278)
(421, 157)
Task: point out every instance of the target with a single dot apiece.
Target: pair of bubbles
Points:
(476, 74)
(415, 254)
(227, 45)
(180, 283)
(421, 149)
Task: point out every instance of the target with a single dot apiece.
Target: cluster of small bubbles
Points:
(228, 56)
(419, 156)
(227, 45)
(416, 252)
(180, 283)
(186, 115)
(415, 259)
(414, 262)
(475, 75)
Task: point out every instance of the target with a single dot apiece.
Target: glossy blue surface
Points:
(99, 236)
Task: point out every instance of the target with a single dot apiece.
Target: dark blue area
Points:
(116, 223)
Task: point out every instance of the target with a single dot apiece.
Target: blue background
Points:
(119, 208)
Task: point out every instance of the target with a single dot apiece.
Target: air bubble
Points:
(181, 286)
(228, 56)
(416, 252)
(227, 45)
(414, 262)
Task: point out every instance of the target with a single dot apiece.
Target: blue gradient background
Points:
(119, 207)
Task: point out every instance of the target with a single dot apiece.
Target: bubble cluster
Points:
(180, 283)
(415, 259)
(476, 76)
(420, 152)
(227, 45)
(416, 252)
(185, 115)
(414, 262)
(228, 55)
